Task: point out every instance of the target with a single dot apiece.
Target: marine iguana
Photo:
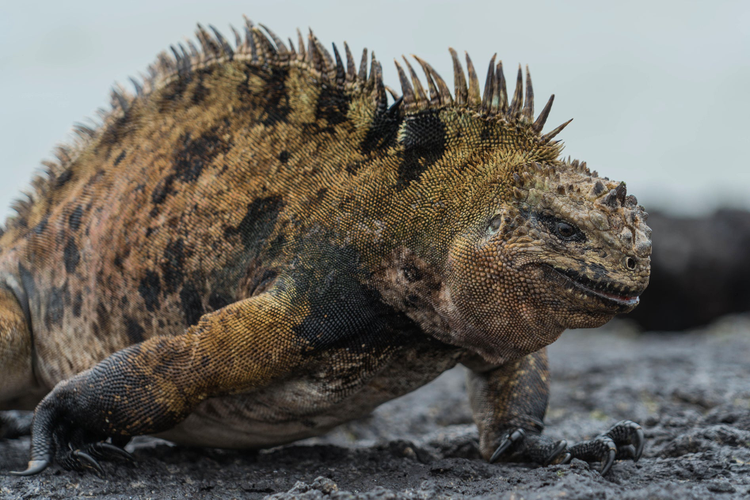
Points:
(257, 246)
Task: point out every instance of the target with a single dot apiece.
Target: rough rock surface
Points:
(691, 391)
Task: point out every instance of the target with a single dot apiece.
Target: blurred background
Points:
(658, 90)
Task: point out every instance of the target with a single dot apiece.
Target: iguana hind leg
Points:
(152, 386)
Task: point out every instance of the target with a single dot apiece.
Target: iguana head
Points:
(536, 244)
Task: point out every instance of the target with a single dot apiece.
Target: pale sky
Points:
(658, 89)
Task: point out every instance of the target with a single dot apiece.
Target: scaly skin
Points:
(256, 248)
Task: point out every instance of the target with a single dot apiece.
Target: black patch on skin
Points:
(274, 99)
(71, 256)
(383, 132)
(114, 134)
(345, 314)
(332, 106)
(277, 244)
(74, 220)
(258, 222)
(596, 272)
(161, 191)
(320, 194)
(173, 92)
(424, 144)
(191, 156)
(194, 154)
(55, 308)
(119, 158)
(192, 306)
(284, 157)
(218, 301)
(39, 228)
(150, 288)
(200, 92)
(63, 178)
(77, 304)
(133, 330)
(102, 318)
(173, 264)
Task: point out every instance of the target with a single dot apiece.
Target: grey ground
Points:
(691, 392)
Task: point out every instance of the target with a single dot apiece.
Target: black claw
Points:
(608, 463)
(509, 439)
(626, 452)
(34, 467)
(116, 451)
(561, 446)
(640, 442)
(566, 459)
(91, 462)
(628, 432)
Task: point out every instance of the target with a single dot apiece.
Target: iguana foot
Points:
(14, 425)
(87, 457)
(534, 447)
(80, 458)
(624, 440)
(54, 433)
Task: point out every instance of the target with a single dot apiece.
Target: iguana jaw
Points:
(608, 294)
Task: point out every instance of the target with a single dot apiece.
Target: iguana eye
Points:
(565, 230)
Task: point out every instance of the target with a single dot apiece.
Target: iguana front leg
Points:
(509, 403)
(152, 386)
(510, 397)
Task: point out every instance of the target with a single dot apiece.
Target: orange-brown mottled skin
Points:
(256, 248)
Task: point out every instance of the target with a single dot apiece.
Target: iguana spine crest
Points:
(265, 48)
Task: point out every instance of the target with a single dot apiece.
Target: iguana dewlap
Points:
(257, 246)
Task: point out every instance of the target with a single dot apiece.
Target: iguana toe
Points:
(537, 448)
(627, 433)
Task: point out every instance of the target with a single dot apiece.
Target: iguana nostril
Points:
(630, 262)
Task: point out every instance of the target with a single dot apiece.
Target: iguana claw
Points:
(107, 450)
(535, 447)
(509, 440)
(623, 440)
(34, 467)
(91, 461)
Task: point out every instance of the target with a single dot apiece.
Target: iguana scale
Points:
(256, 247)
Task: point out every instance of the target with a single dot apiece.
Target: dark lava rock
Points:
(691, 392)
(700, 270)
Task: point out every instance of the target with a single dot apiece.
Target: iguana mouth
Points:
(605, 290)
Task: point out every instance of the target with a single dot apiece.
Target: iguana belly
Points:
(310, 405)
